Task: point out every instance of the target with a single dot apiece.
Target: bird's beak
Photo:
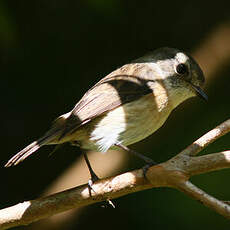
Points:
(200, 92)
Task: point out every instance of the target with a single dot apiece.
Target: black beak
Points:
(200, 92)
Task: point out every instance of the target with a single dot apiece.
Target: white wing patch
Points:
(108, 129)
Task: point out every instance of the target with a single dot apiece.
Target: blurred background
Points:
(51, 52)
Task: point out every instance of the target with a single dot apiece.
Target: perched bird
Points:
(126, 106)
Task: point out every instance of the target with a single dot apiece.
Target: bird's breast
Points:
(145, 116)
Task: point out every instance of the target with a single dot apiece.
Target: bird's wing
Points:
(107, 94)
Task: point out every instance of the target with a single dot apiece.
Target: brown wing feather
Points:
(106, 95)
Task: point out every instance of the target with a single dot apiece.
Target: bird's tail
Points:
(34, 146)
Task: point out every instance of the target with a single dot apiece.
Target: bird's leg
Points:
(93, 179)
(143, 157)
(93, 175)
(149, 161)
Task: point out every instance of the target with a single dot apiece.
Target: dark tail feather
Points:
(27, 151)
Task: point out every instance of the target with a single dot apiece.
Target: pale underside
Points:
(126, 124)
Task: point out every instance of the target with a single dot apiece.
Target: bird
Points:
(126, 106)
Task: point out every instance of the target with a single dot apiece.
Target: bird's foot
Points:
(91, 181)
(147, 166)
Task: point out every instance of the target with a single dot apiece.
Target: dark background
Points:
(51, 52)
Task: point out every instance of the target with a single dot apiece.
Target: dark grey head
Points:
(178, 68)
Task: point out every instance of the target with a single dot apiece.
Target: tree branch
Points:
(219, 206)
(173, 173)
(208, 163)
(207, 139)
(110, 188)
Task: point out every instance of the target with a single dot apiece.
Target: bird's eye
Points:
(181, 69)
